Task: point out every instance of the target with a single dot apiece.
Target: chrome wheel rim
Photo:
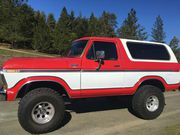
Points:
(152, 103)
(43, 112)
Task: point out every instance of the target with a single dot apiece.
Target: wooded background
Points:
(23, 27)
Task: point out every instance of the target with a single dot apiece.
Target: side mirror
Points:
(100, 55)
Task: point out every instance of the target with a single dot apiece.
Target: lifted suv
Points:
(94, 67)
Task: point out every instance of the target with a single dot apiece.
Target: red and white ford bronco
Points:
(94, 67)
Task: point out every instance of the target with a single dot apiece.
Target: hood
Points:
(42, 63)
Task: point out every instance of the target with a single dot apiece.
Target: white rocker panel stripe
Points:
(71, 78)
(95, 80)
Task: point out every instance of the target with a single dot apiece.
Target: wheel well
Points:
(48, 84)
(154, 82)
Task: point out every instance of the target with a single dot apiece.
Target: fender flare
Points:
(158, 78)
(12, 92)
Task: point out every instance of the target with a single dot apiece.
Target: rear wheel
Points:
(148, 102)
(41, 111)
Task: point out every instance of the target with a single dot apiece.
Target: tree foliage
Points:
(15, 21)
(81, 28)
(42, 37)
(131, 29)
(22, 27)
(108, 24)
(62, 33)
(51, 22)
(158, 34)
(93, 26)
(175, 46)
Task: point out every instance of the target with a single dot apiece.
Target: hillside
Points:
(6, 53)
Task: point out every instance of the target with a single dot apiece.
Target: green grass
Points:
(5, 55)
(173, 130)
(15, 54)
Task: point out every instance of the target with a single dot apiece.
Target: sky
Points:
(147, 11)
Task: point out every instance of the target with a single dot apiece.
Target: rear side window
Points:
(108, 47)
(148, 51)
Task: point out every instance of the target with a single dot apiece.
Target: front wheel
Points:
(148, 102)
(41, 111)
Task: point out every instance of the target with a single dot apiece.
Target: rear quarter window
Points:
(147, 51)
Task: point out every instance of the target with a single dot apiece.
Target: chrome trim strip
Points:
(78, 70)
(128, 71)
(51, 70)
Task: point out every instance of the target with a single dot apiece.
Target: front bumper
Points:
(3, 86)
(2, 95)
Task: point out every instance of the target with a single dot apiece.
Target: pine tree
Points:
(8, 23)
(93, 26)
(73, 24)
(5, 6)
(72, 21)
(107, 24)
(131, 29)
(175, 46)
(62, 33)
(158, 34)
(16, 21)
(81, 28)
(25, 18)
(51, 22)
(12, 26)
(41, 38)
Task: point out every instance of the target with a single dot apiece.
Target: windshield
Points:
(77, 48)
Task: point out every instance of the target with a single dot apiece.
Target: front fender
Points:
(12, 92)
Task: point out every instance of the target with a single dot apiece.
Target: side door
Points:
(108, 76)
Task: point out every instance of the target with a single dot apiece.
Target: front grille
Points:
(1, 81)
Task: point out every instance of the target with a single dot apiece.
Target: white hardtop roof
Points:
(172, 56)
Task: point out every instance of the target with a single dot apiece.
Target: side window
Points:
(148, 51)
(109, 49)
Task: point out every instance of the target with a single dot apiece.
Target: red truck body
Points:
(82, 64)
(94, 67)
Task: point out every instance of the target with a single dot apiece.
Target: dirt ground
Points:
(102, 116)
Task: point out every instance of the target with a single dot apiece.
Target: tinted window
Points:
(77, 48)
(108, 48)
(148, 51)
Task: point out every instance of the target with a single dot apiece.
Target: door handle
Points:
(116, 65)
(74, 65)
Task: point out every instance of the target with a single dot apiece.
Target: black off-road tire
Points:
(30, 100)
(140, 98)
